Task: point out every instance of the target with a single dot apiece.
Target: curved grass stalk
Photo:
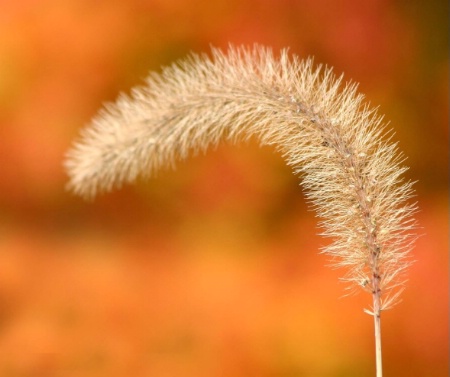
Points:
(351, 173)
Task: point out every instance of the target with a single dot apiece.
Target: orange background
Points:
(213, 269)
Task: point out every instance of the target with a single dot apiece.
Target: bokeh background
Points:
(213, 269)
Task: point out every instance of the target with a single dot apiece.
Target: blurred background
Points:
(213, 269)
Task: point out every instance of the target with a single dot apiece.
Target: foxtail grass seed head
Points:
(350, 171)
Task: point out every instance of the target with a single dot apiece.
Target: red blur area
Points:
(212, 269)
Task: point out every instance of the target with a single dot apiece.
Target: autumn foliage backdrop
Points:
(213, 269)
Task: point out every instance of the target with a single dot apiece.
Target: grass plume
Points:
(351, 172)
